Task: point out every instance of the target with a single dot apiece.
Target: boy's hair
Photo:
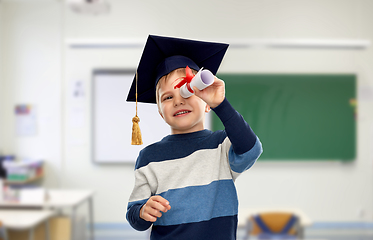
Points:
(164, 79)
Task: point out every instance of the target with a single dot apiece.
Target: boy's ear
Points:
(207, 109)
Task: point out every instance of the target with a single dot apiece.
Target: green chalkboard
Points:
(297, 117)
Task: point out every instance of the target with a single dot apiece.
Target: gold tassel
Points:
(136, 133)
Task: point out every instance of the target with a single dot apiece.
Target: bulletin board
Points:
(112, 118)
(297, 116)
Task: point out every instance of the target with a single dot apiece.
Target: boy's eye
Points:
(167, 97)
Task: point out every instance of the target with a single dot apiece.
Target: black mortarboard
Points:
(162, 55)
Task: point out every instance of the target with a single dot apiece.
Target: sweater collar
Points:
(180, 137)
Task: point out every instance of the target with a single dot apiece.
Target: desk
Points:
(26, 220)
(61, 198)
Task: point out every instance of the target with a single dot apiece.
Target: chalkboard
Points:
(297, 116)
(112, 118)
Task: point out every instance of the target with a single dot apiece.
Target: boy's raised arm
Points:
(238, 130)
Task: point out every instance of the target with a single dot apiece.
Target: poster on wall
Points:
(77, 111)
(25, 117)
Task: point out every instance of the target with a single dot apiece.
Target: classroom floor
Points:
(127, 233)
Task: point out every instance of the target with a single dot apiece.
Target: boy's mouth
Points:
(181, 113)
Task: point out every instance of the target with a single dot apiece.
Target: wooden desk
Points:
(72, 199)
(62, 198)
(23, 219)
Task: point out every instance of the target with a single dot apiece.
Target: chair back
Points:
(276, 224)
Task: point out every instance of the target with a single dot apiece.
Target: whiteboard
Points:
(112, 118)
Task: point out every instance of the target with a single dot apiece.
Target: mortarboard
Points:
(162, 55)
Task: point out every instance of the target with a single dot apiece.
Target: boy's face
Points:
(184, 115)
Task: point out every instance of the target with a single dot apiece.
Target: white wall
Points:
(1, 76)
(327, 191)
(32, 75)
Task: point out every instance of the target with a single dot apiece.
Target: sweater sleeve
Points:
(239, 132)
(246, 147)
(133, 217)
(139, 196)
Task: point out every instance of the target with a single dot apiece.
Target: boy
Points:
(184, 183)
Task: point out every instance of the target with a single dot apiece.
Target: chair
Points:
(274, 225)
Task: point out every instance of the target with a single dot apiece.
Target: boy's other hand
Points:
(153, 207)
(214, 94)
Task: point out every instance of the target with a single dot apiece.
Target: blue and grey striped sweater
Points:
(195, 172)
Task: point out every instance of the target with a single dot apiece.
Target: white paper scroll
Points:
(201, 80)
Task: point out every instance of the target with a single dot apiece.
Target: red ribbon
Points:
(186, 80)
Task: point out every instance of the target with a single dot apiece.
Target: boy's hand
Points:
(153, 207)
(214, 94)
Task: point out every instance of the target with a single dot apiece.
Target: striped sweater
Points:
(195, 172)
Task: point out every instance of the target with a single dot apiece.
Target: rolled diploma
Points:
(201, 80)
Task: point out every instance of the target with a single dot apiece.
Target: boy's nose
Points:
(179, 100)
